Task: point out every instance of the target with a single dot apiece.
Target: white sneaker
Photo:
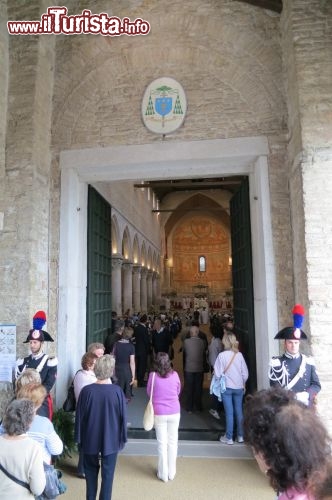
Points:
(224, 440)
(214, 413)
(240, 439)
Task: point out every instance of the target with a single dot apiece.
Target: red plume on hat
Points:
(298, 317)
(37, 333)
(294, 332)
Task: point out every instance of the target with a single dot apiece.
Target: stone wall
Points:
(72, 92)
(25, 186)
(227, 56)
(307, 35)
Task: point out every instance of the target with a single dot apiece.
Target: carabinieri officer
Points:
(45, 365)
(295, 371)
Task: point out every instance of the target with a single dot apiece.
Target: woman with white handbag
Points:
(165, 386)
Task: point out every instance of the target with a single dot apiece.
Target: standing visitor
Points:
(124, 353)
(101, 428)
(142, 349)
(165, 401)
(289, 442)
(231, 363)
(20, 455)
(84, 377)
(193, 356)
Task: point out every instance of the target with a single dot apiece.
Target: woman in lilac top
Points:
(166, 405)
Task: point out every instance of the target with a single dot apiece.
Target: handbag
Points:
(54, 484)
(206, 364)
(148, 417)
(70, 401)
(218, 384)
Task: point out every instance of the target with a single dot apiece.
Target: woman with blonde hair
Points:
(29, 376)
(231, 363)
(41, 429)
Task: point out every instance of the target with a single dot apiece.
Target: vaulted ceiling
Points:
(232, 184)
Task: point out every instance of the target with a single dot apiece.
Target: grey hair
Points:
(18, 417)
(104, 367)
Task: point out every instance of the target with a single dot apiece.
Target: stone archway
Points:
(245, 156)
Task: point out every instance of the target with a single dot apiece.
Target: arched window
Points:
(201, 264)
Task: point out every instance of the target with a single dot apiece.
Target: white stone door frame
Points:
(160, 160)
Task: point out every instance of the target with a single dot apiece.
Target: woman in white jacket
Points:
(20, 456)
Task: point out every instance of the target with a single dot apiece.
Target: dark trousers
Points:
(141, 364)
(91, 468)
(80, 467)
(193, 385)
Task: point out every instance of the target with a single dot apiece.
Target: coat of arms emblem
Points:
(164, 106)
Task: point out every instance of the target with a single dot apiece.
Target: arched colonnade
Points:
(135, 268)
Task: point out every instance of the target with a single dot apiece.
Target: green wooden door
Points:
(242, 279)
(99, 283)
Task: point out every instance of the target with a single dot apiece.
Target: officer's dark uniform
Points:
(46, 366)
(284, 368)
(296, 373)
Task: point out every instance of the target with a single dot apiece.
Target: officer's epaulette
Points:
(19, 361)
(275, 361)
(52, 362)
(310, 361)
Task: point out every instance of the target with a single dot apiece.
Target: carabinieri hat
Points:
(294, 332)
(37, 333)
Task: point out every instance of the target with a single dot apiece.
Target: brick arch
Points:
(115, 235)
(235, 87)
(194, 202)
(126, 244)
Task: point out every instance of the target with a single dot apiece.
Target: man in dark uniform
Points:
(295, 371)
(46, 366)
(142, 349)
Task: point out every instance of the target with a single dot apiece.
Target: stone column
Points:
(117, 283)
(167, 276)
(154, 287)
(136, 288)
(144, 302)
(127, 288)
(158, 289)
(149, 288)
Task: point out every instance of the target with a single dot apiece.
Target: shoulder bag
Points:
(13, 478)
(54, 484)
(218, 385)
(148, 417)
(70, 401)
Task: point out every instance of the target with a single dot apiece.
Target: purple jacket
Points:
(166, 391)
